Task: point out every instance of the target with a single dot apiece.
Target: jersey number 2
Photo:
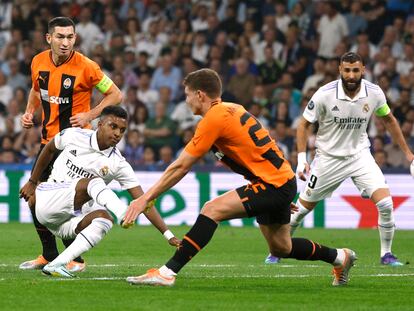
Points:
(270, 154)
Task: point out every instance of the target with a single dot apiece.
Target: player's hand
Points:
(294, 208)
(135, 208)
(80, 119)
(27, 191)
(174, 242)
(303, 167)
(27, 120)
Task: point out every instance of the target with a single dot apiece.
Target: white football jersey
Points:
(343, 121)
(81, 158)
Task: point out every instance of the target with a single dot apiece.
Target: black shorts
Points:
(267, 203)
(48, 169)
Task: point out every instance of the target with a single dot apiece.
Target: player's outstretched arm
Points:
(33, 103)
(42, 162)
(112, 97)
(302, 139)
(155, 218)
(392, 126)
(172, 175)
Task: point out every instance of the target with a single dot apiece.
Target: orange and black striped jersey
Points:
(240, 141)
(65, 90)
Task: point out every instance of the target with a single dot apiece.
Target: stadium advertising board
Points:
(181, 204)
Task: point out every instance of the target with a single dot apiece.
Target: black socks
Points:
(303, 249)
(198, 237)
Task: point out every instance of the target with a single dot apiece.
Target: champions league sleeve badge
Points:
(311, 105)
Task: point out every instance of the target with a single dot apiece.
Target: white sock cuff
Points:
(95, 186)
(104, 224)
(384, 204)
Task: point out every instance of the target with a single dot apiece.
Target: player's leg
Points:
(282, 245)
(47, 239)
(386, 225)
(371, 181)
(104, 196)
(296, 219)
(326, 174)
(226, 206)
(49, 247)
(89, 231)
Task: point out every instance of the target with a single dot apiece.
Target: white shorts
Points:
(55, 208)
(328, 172)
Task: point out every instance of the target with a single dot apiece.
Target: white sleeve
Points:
(381, 100)
(126, 176)
(311, 112)
(63, 138)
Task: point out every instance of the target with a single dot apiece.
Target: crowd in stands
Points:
(272, 56)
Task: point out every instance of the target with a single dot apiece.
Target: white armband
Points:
(168, 235)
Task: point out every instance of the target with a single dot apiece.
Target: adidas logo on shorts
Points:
(335, 108)
(73, 152)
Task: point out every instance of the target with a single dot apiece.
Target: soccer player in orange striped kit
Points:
(239, 141)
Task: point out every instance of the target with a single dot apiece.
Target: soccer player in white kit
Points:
(75, 200)
(343, 109)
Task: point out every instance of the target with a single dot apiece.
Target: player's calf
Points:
(85, 240)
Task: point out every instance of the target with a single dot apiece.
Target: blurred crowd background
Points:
(271, 55)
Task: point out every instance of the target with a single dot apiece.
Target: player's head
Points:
(351, 68)
(201, 86)
(111, 126)
(61, 36)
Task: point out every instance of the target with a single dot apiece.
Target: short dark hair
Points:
(117, 111)
(351, 57)
(60, 21)
(205, 80)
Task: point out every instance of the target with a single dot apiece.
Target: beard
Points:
(351, 87)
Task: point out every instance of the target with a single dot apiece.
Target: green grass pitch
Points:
(228, 275)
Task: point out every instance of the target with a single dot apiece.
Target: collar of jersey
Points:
(361, 94)
(94, 144)
(66, 61)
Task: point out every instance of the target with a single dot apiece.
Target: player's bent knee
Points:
(104, 214)
(212, 210)
(385, 205)
(386, 211)
(87, 220)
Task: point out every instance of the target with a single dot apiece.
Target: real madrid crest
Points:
(104, 171)
(365, 108)
(67, 83)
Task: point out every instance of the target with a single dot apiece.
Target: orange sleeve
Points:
(207, 132)
(93, 73)
(34, 73)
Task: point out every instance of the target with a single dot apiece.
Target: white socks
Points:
(386, 224)
(103, 195)
(340, 258)
(85, 240)
(296, 218)
(165, 271)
